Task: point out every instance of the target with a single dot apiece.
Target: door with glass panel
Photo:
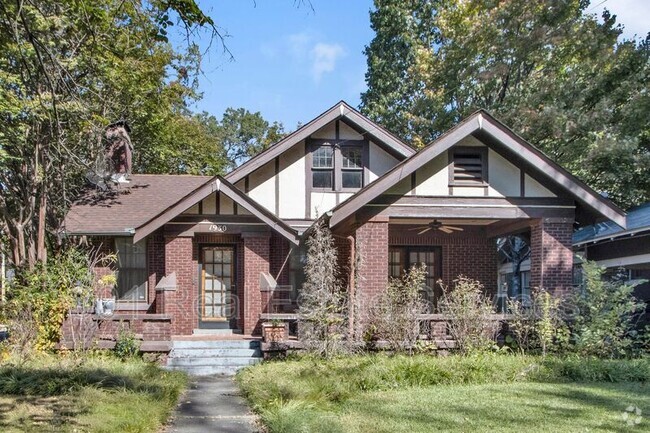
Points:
(403, 257)
(217, 285)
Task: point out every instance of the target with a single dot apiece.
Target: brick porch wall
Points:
(371, 243)
(551, 254)
(182, 303)
(256, 259)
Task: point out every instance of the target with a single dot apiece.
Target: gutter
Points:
(612, 236)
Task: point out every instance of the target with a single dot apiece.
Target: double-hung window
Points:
(323, 166)
(337, 167)
(131, 270)
(352, 167)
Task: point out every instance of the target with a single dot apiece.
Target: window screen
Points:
(132, 270)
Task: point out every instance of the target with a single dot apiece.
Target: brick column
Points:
(181, 304)
(372, 246)
(551, 254)
(256, 261)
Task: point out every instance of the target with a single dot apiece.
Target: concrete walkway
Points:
(213, 404)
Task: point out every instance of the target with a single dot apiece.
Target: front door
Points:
(217, 303)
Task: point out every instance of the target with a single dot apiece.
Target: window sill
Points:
(131, 306)
(469, 185)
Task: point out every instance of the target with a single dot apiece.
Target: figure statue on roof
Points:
(119, 151)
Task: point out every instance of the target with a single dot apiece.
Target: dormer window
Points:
(338, 167)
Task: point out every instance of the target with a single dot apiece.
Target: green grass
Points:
(101, 394)
(422, 394)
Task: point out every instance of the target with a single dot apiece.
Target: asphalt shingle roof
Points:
(637, 218)
(129, 205)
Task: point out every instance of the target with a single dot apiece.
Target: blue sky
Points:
(291, 62)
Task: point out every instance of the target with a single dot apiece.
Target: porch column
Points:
(256, 261)
(551, 255)
(372, 247)
(182, 303)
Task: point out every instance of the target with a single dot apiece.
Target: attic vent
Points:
(469, 166)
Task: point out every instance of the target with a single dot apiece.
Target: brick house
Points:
(209, 254)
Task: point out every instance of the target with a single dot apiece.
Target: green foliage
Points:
(551, 329)
(69, 68)
(127, 345)
(43, 296)
(469, 312)
(607, 314)
(100, 393)
(322, 303)
(556, 74)
(395, 315)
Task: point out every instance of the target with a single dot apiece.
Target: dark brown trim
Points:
(201, 207)
(247, 188)
(462, 211)
(277, 186)
(484, 123)
(341, 111)
(502, 228)
(414, 182)
(522, 182)
(238, 197)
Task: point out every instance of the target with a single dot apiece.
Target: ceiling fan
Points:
(437, 225)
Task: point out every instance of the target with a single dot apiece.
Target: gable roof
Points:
(483, 124)
(118, 211)
(638, 220)
(216, 184)
(342, 111)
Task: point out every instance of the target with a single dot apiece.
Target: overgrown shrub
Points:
(469, 312)
(606, 315)
(43, 296)
(322, 312)
(395, 316)
(126, 345)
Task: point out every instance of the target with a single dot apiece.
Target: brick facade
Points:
(371, 243)
(256, 259)
(551, 254)
(182, 303)
(469, 253)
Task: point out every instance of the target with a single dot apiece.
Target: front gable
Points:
(287, 180)
(479, 169)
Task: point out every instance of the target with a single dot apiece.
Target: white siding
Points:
(504, 177)
(293, 182)
(209, 204)
(347, 133)
(226, 205)
(533, 188)
(261, 184)
(321, 202)
(433, 177)
(326, 132)
(379, 162)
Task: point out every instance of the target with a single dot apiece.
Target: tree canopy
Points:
(553, 72)
(69, 68)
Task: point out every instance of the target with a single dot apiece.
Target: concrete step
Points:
(209, 361)
(204, 370)
(215, 344)
(202, 352)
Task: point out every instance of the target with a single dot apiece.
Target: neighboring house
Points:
(620, 250)
(204, 253)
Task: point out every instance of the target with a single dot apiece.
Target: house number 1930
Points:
(218, 228)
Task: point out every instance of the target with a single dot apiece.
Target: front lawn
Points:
(97, 395)
(456, 394)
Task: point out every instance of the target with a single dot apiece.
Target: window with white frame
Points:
(131, 270)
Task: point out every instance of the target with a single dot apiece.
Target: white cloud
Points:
(633, 14)
(299, 44)
(324, 57)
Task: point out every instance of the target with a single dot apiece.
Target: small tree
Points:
(395, 317)
(322, 301)
(607, 312)
(469, 314)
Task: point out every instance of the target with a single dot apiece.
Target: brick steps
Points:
(208, 357)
